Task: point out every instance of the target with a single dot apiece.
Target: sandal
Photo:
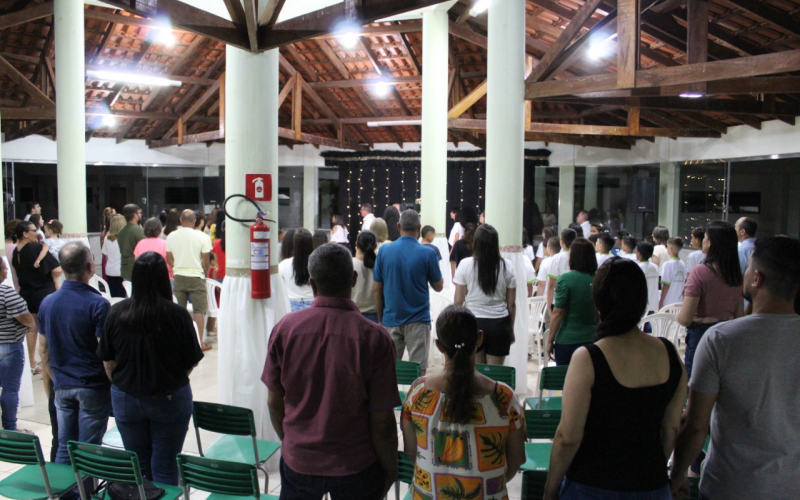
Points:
(205, 347)
(36, 370)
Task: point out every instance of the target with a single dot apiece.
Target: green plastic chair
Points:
(542, 424)
(37, 479)
(239, 443)
(405, 471)
(499, 373)
(533, 483)
(694, 488)
(222, 479)
(537, 457)
(407, 373)
(110, 464)
(551, 378)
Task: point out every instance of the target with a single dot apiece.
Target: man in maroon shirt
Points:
(332, 391)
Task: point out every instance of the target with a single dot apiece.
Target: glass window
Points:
(290, 197)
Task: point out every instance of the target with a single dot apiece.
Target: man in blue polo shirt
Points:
(71, 321)
(403, 270)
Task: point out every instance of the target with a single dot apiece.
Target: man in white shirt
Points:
(189, 255)
(33, 208)
(583, 220)
(603, 247)
(560, 264)
(673, 275)
(697, 257)
(644, 251)
(367, 216)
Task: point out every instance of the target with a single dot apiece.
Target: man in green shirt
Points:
(128, 237)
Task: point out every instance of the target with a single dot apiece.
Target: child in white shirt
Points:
(644, 251)
(628, 250)
(603, 247)
(673, 275)
(552, 246)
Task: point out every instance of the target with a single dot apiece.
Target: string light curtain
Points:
(385, 177)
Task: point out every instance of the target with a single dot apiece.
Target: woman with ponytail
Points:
(463, 430)
(363, 263)
(623, 398)
(486, 284)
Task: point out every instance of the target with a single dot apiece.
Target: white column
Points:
(505, 144)
(590, 189)
(433, 185)
(669, 196)
(71, 118)
(310, 197)
(540, 187)
(566, 196)
(251, 146)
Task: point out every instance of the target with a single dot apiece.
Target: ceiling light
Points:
(691, 95)
(775, 157)
(398, 123)
(597, 50)
(381, 89)
(109, 121)
(165, 37)
(348, 39)
(143, 79)
(479, 7)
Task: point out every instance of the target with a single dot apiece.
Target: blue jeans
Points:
(299, 305)
(694, 333)
(155, 428)
(12, 362)
(571, 490)
(364, 485)
(564, 352)
(82, 416)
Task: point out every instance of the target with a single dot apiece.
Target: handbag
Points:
(130, 491)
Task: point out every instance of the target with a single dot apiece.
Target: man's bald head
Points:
(187, 218)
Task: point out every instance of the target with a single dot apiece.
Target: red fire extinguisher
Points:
(259, 259)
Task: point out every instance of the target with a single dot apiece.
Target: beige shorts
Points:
(415, 336)
(194, 288)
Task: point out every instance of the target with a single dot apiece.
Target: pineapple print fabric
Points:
(461, 462)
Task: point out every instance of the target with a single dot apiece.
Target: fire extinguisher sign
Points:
(258, 187)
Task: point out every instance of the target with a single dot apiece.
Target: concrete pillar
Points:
(71, 114)
(566, 196)
(433, 185)
(540, 187)
(669, 196)
(505, 145)
(590, 189)
(251, 146)
(310, 196)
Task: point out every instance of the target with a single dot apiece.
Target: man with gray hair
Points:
(70, 322)
(333, 390)
(402, 272)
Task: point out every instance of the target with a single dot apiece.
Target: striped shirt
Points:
(11, 307)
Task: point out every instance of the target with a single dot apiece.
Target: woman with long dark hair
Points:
(173, 222)
(149, 348)
(486, 285)
(574, 317)
(392, 217)
(713, 290)
(339, 233)
(463, 247)
(457, 231)
(463, 431)
(363, 264)
(287, 247)
(660, 253)
(294, 271)
(547, 233)
(623, 399)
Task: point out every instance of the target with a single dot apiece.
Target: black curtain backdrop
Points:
(386, 177)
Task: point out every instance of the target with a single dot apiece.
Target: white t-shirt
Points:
(540, 250)
(482, 305)
(559, 265)
(695, 259)
(528, 250)
(113, 258)
(653, 293)
(602, 257)
(587, 228)
(339, 234)
(530, 272)
(362, 292)
(542, 276)
(660, 251)
(631, 256)
(56, 244)
(673, 273)
(367, 221)
(187, 247)
(457, 229)
(294, 292)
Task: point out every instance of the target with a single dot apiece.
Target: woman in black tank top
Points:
(617, 431)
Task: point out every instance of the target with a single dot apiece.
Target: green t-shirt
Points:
(127, 238)
(574, 294)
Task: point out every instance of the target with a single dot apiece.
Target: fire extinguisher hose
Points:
(244, 221)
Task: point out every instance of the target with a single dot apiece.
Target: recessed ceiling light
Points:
(691, 95)
(348, 39)
(775, 157)
(109, 121)
(165, 37)
(124, 77)
(381, 89)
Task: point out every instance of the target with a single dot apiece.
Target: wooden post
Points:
(697, 38)
(633, 120)
(180, 131)
(628, 28)
(297, 107)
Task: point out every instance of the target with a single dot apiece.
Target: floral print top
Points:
(461, 462)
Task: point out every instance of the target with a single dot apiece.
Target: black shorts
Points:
(496, 336)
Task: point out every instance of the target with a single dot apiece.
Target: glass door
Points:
(704, 195)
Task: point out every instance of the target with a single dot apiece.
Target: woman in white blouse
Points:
(363, 264)
(294, 271)
(338, 230)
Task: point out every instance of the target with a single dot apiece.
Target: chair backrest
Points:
(536, 307)
(439, 303)
(128, 287)
(211, 288)
(407, 372)
(224, 419)
(533, 482)
(95, 281)
(405, 468)
(104, 463)
(505, 374)
(218, 476)
(552, 378)
(542, 424)
(671, 308)
(663, 325)
(20, 448)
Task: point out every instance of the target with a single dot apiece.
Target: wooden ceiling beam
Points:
(407, 46)
(722, 106)
(236, 11)
(302, 63)
(26, 15)
(214, 135)
(35, 113)
(318, 140)
(561, 128)
(334, 59)
(705, 121)
(730, 38)
(737, 86)
(382, 30)
(270, 13)
(29, 88)
(697, 39)
(210, 92)
(30, 129)
(628, 37)
(666, 29)
(780, 18)
(365, 82)
(251, 23)
(464, 104)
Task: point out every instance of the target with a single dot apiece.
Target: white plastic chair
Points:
(95, 282)
(674, 309)
(211, 287)
(536, 308)
(439, 303)
(663, 325)
(128, 288)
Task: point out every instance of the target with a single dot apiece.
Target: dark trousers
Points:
(564, 352)
(155, 428)
(365, 485)
(51, 409)
(694, 333)
(115, 284)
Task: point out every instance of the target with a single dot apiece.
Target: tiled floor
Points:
(204, 388)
